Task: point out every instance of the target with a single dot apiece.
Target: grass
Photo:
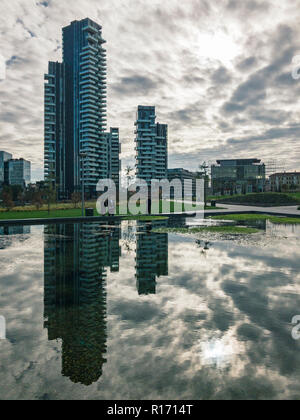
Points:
(62, 210)
(229, 230)
(145, 218)
(39, 214)
(42, 214)
(250, 217)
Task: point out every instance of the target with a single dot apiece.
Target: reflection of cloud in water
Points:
(217, 327)
(216, 352)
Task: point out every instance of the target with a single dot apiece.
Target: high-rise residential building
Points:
(114, 150)
(4, 157)
(151, 146)
(19, 172)
(76, 148)
(55, 146)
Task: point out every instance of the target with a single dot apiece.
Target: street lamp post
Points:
(82, 156)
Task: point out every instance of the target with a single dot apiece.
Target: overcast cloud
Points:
(218, 72)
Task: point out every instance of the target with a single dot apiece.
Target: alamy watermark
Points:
(142, 199)
(296, 67)
(2, 328)
(296, 329)
(2, 67)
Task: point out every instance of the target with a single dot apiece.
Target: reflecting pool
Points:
(118, 311)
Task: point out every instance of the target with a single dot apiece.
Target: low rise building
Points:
(184, 175)
(285, 181)
(114, 161)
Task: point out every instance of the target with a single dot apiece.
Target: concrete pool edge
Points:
(62, 220)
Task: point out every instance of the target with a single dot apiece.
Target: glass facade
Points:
(4, 157)
(239, 176)
(19, 172)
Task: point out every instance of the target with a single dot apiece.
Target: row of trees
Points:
(45, 193)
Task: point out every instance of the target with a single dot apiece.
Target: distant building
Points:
(285, 181)
(114, 150)
(151, 146)
(4, 157)
(238, 176)
(19, 172)
(183, 175)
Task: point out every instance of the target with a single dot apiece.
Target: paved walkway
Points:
(291, 211)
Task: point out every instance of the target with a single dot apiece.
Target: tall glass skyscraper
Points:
(76, 146)
(4, 157)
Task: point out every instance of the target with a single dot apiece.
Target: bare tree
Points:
(7, 199)
(37, 199)
(128, 172)
(76, 198)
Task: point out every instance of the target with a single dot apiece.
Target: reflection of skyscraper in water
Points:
(151, 256)
(7, 231)
(75, 297)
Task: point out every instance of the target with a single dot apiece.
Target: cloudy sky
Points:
(219, 72)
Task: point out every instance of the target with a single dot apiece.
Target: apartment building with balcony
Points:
(54, 126)
(114, 150)
(151, 146)
(76, 147)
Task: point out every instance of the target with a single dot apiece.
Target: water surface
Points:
(120, 312)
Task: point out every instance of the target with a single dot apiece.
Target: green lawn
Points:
(230, 230)
(39, 214)
(63, 213)
(61, 210)
(250, 217)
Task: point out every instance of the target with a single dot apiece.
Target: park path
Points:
(230, 208)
